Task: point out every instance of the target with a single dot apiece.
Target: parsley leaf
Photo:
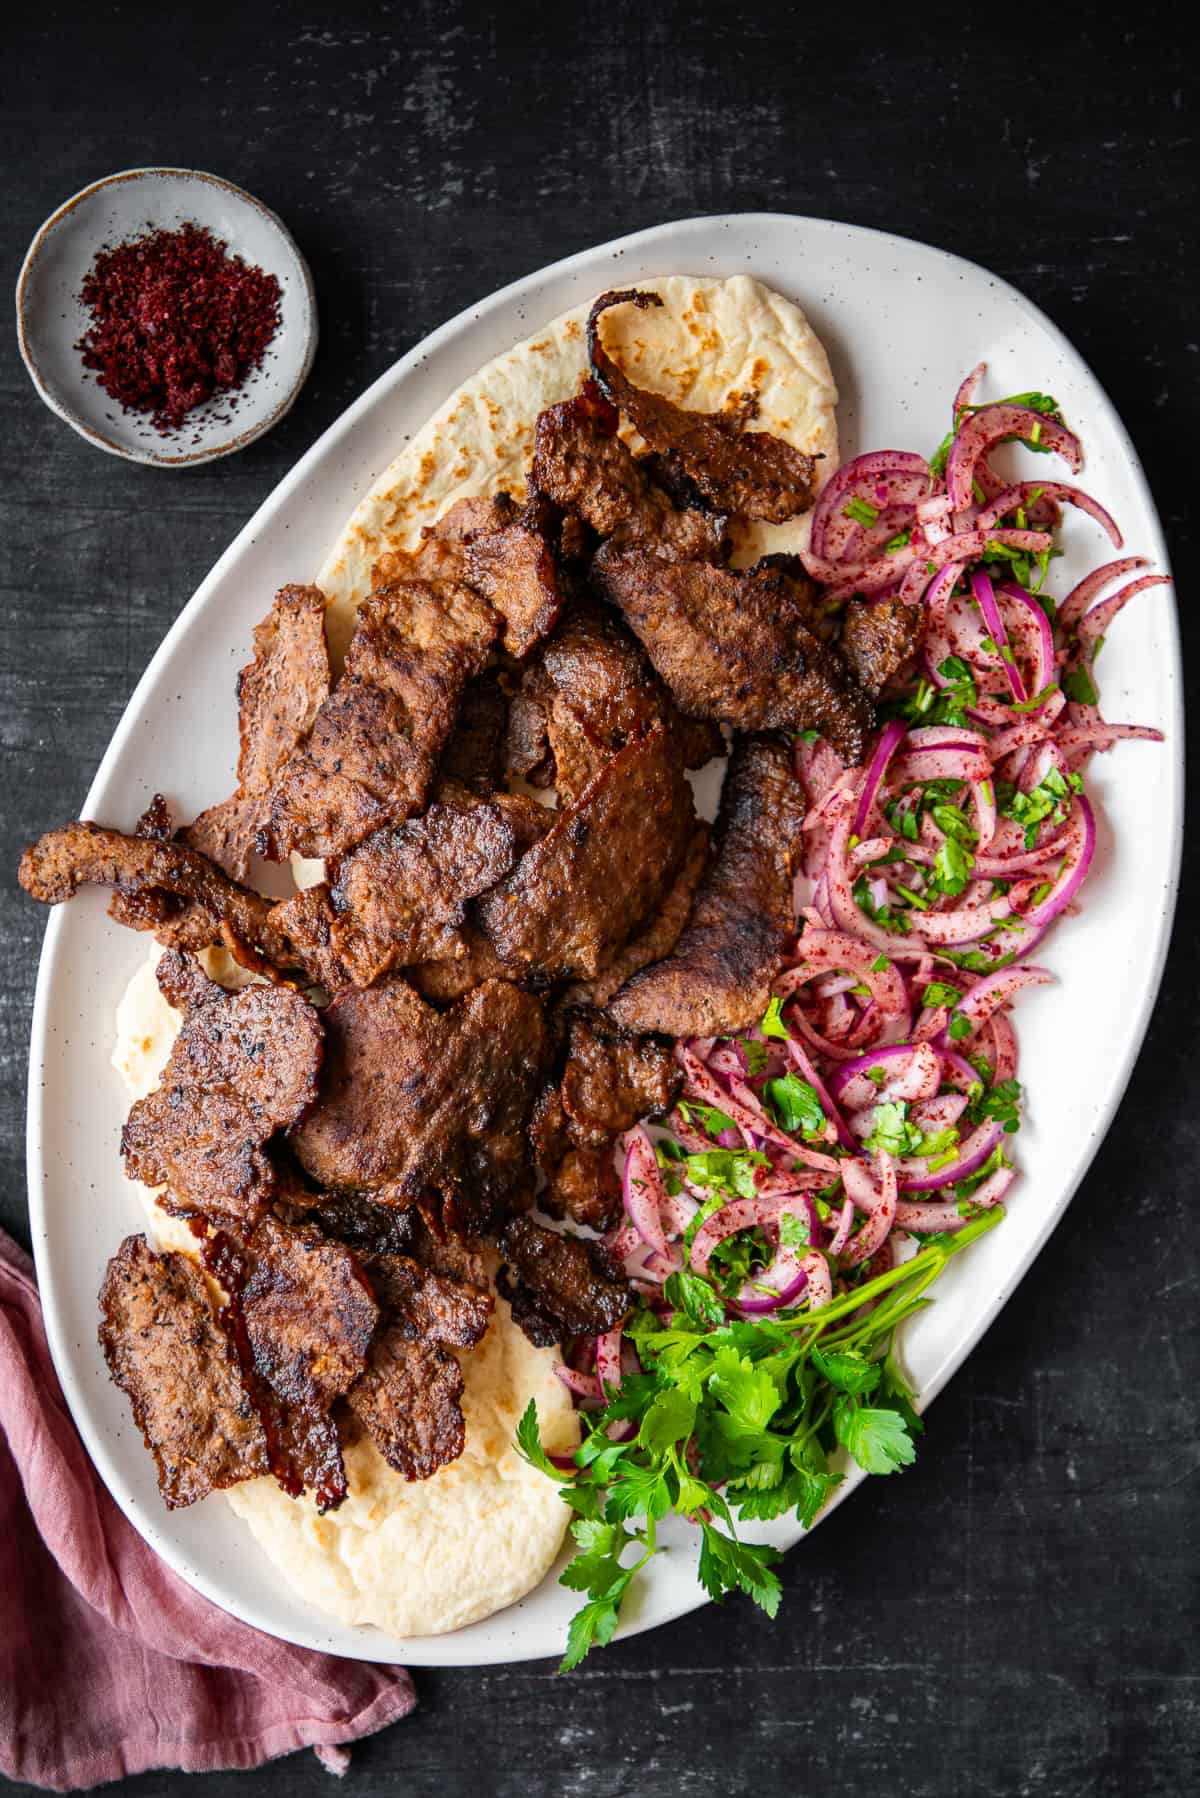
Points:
(861, 511)
(878, 1439)
(891, 1130)
(694, 1296)
(1077, 685)
(772, 1021)
(795, 1106)
(754, 1054)
(726, 1564)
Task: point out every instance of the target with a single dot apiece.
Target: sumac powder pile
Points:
(174, 319)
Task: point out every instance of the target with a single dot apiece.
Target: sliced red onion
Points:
(583, 1385)
(913, 1172)
(808, 1072)
(992, 425)
(985, 597)
(841, 1234)
(945, 1214)
(1080, 598)
(777, 1285)
(900, 474)
(967, 546)
(609, 1375)
(939, 1113)
(1025, 619)
(1095, 624)
(822, 950)
(642, 1189)
(890, 740)
(870, 1238)
(915, 1072)
(995, 990)
(1032, 729)
(739, 1214)
(966, 390)
(1021, 492)
(942, 764)
(1077, 738)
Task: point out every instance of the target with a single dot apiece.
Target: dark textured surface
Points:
(1015, 1615)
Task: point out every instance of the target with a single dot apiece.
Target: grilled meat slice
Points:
(604, 866)
(167, 1352)
(167, 888)
(414, 1100)
(878, 637)
(505, 555)
(718, 978)
(409, 1403)
(243, 1066)
(377, 740)
(401, 895)
(747, 473)
(306, 922)
(737, 647)
(279, 695)
(657, 937)
(430, 1306)
(474, 756)
(309, 1313)
(560, 1285)
(581, 464)
(586, 695)
(609, 1079)
(612, 1078)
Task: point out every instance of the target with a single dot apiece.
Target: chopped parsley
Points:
(794, 1105)
(861, 511)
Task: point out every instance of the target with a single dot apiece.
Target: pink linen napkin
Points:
(109, 1663)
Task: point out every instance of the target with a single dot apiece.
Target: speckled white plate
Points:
(51, 319)
(902, 323)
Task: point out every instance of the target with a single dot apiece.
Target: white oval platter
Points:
(902, 323)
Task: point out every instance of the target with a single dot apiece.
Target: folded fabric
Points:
(109, 1663)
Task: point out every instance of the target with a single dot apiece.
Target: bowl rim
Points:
(61, 406)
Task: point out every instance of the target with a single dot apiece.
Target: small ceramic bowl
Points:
(51, 320)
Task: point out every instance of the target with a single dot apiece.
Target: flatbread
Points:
(710, 342)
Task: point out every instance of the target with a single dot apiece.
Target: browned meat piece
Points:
(307, 923)
(429, 1306)
(459, 1257)
(604, 866)
(471, 518)
(408, 1401)
(560, 1285)
(514, 570)
(878, 637)
(585, 1187)
(506, 556)
(749, 473)
(737, 647)
(243, 1066)
(400, 896)
(156, 823)
(368, 1228)
(413, 1099)
(581, 1183)
(587, 694)
(718, 980)
(474, 755)
(474, 961)
(657, 937)
(612, 1078)
(165, 887)
(609, 1080)
(309, 1313)
(581, 464)
(279, 694)
(168, 1354)
(378, 738)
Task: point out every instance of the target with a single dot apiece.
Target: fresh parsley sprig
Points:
(736, 1420)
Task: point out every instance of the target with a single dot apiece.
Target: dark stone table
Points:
(1016, 1614)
